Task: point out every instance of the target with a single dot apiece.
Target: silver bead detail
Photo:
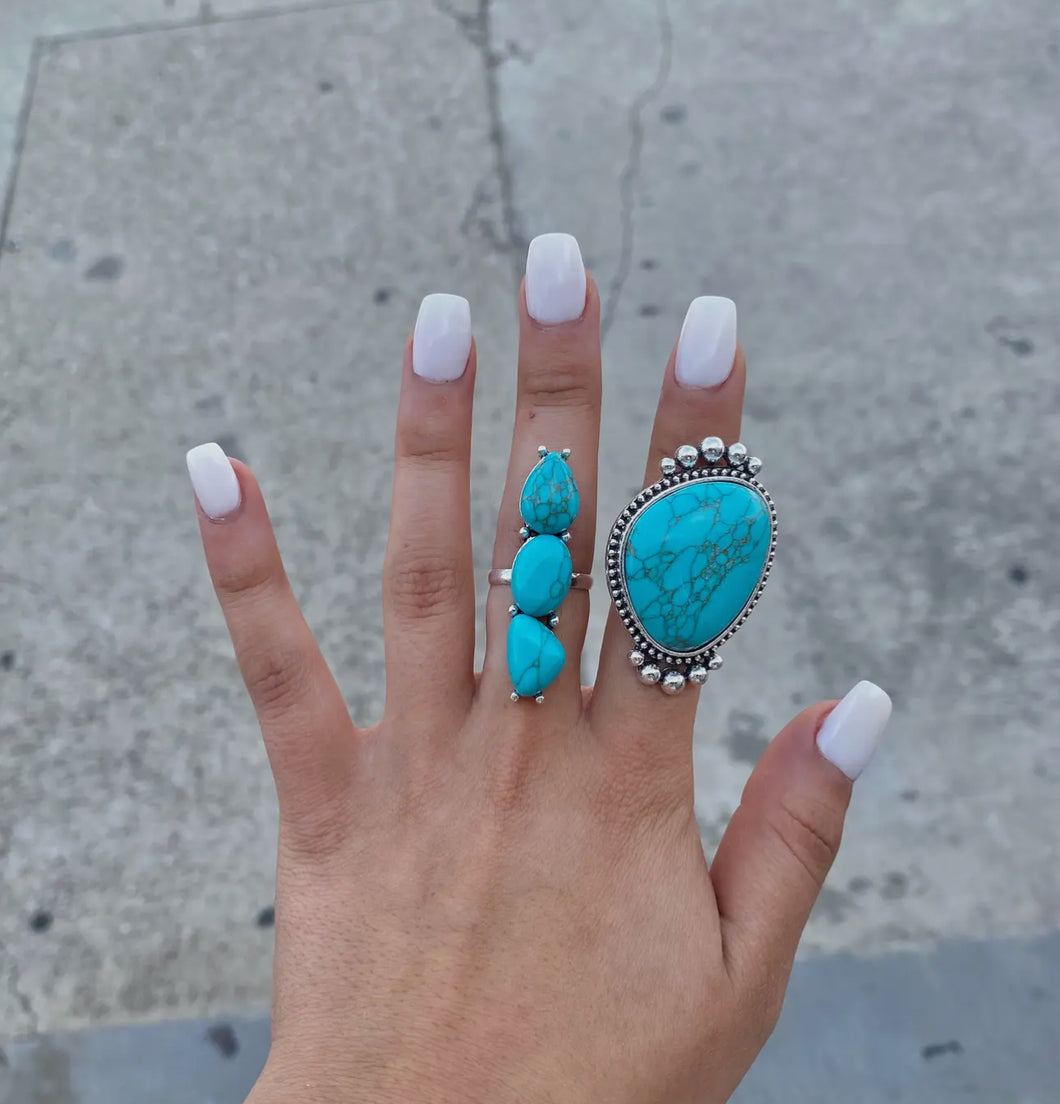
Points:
(698, 674)
(542, 451)
(565, 536)
(650, 674)
(553, 621)
(668, 465)
(715, 662)
(737, 454)
(687, 455)
(753, 465)
(524, 532)
(713, 449)
(540, 699)
(513, 610)
(515, 695)
(673, 682)
(636, 658)
(565, 453)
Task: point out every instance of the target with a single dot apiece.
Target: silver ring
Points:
(502, 576)
(688, 558)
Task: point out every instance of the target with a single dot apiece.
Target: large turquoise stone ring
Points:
(688, 558)
(541, 575)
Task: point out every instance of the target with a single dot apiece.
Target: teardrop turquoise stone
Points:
(549, 502)
(535, 656)
(541, 575)
(692, 560)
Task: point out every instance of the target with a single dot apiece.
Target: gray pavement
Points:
(221, 221)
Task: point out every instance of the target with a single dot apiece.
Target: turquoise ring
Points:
(688, 558)
(541, 575)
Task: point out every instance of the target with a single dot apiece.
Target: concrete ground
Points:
(219, 221)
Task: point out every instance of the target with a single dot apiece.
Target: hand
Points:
(485, 900)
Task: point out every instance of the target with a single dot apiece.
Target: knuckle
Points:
(316, 830)
(246, 581)
(437, 433)
(811, 832)
(424, 586)
(276, 679)
(564, 379)
(430, 445)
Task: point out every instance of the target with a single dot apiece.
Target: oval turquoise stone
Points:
(541, 575)
(693, 558)
(549, 502)
(535, 656)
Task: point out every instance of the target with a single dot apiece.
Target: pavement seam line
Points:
(477, 30)
(630, 176)
(21, 126)
(14, 986)
(206, 17)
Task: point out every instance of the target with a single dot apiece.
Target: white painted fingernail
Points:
(555, 279)
(706, 348)
(441, 341)
(214, 480)
(852, 730)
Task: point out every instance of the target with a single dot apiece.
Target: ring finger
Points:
(702, 395)
(558, 406)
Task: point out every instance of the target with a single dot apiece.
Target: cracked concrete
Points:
(223, 231)
(629, 178)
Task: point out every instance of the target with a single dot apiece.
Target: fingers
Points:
(428, 581)
(783, 838)
(307, 728)
(702, 395)
(558, 406)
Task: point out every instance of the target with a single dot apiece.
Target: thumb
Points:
(783, 838)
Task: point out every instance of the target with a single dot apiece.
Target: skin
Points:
(487, 901)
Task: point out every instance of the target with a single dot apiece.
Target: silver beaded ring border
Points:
(677, 471)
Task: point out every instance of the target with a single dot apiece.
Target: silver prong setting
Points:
(513, 609)
(673, 682)
(540, 699)
(553, 621)
(713, 449)
(515, 695)
(542, 451)
(565, 453)
(737, 454)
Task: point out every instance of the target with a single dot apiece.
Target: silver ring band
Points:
(502, 576)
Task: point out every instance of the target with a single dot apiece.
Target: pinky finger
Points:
(306, 726)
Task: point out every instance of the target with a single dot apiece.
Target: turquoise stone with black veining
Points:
(549, 502)
(541, 575)
(535, 656)
(693, 558)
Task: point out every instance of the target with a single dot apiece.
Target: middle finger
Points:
(558, 406)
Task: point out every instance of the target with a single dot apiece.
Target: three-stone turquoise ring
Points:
(688, 558)
(541, 575)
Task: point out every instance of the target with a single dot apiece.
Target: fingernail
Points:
(555, 279)
(707, 345)
(441, 341)
(852, 730)
(213, 480)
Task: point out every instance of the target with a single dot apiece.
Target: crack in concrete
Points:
(627, 182)
(14, 988)
(476, 27)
